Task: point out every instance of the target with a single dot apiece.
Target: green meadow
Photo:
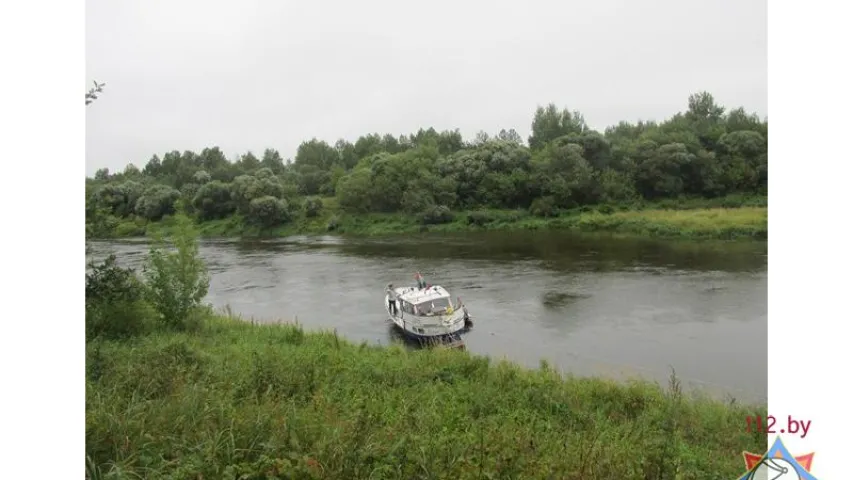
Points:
(240, 401)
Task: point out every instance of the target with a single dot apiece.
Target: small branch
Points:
(93, 92)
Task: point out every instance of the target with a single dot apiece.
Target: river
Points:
(588, 304)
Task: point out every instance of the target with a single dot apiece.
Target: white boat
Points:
(426, 312)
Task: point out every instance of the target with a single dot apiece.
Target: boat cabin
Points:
(425, 302)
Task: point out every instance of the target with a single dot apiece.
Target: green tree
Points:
(661, 174)
(247, 188)
(549, 123)
(213, 201)
(510, 136)
(273, 161)
(616, 186)
(157, 202)
(268, 211)
(177, 279)
(704, 150)
(563, 173)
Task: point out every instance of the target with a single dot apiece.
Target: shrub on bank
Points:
(313, 207)
(436, 215)
(544, 207)
(175, 281)
(115, 303)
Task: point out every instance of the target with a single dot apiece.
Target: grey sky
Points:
(247, 75)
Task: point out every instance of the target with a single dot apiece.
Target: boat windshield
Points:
(438, 305)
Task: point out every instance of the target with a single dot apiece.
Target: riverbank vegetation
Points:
(694, 218)
(175, 391)
(236, 400)
(631, 178)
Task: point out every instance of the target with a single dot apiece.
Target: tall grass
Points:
(719, 223)
(236, 400)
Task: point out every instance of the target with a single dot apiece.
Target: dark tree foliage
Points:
(114, 301)
(701, 152)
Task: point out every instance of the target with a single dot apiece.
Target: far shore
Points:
(740, 223)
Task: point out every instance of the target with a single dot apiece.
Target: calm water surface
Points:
(591, 305)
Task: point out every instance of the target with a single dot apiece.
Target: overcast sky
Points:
(252, 74)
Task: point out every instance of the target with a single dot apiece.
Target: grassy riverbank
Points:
(725, 218)
(236, 400)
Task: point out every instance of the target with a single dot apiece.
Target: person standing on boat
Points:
(420, 280)
(392, 299)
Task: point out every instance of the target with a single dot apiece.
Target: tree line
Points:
(704, 151)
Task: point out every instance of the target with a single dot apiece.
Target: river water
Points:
(590, 305)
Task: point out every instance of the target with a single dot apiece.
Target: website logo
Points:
(777, 464)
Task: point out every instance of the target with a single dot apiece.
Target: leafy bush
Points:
(479, 218)
(177, 281)
(135, 228)
(115, 302)
(157, 201)
(333, 224)
(213, 200)
(544, 207)
(268, 211)
(313, 206)
(416, 200)
(436, 215)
